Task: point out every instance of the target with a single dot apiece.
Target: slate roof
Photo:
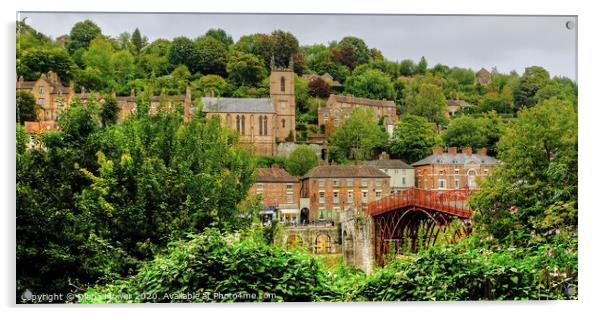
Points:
(456, 159)
(460, 103)
(27, 85)
(389, 164)
(362, 101)
(345, 171)
(238, 105)
(274, 174)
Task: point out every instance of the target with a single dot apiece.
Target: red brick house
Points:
(280, 194)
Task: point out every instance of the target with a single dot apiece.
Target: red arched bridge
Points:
(414, 218)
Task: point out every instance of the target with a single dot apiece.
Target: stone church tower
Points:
(282, 92)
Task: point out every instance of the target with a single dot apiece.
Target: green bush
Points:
(209, 265)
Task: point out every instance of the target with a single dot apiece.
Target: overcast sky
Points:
(506, 42)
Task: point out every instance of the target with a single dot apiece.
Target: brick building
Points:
(280, 194)
(50, 95)
(331, 189)
(402, 174)
(453, 170)
(338, 108)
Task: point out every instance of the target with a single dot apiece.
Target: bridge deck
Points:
(453, 202)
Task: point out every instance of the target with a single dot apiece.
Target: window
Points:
(379, 183)
(457, 184)
(456, 171)
(325, 115)
(336, 183)
(349, 182)
(289, 197)
(283, 123)
(238, 123)
(441, 184)
(335, 197)
(242, 124)
(364, 183)
(321, 210)
(265, 125)
(349, 197)
(289, 187)
(321, 183)
(41, 101)
(441, 172)
(364, 197)
(261, 125)
(486, 171)
(282, 82)
(41, 89)
(403, 180)
(379, 195)
(259, 188)
(60, 93)
(322, 194)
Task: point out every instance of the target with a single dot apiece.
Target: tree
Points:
(414, 138)
(430, 102)
(123, 69)
(26, 107)
(536, 186)
(319, 88)
(137, 41)
(260, 45)
(359, 136)
(462, 75)
(422, 66)
(465, 131)
(245, 69)
(407, 67)
(221, 36)
(532, 80)
(301, 160)
(37, 61)
(213, 84)
(213, 56)
(183, 51)
(99, 56)
(109, 111)
(82, 34)
(154, 58)
(285, 46)
(351, 52)
(370, 83)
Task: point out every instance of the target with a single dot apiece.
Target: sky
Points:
(505, 42)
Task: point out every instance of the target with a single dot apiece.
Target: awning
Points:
(289, 211)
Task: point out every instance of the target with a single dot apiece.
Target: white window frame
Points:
(321, 197)
(336, 198)
(364, 196)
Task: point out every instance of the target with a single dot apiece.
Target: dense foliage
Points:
(359, 137)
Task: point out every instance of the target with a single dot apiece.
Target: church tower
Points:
(282, 93)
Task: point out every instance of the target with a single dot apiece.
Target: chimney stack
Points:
(482, 151)
(467, 150)
(275, 166)
(452, 150)
(437, 150)
(383, 156)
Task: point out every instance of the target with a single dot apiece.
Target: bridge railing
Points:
(453, 202)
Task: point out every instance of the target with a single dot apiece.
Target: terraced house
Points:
(330, 189)
(50, 95)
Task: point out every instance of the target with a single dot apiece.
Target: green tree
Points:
(260, 45)
(358, 137)
(407, 67)
(462, 75)
(82, 34)
(531, 81)
(429, 102)
(138, 41)
(221, 36)
(285, 46)
(99, 56)
(422, 66)
(209, 84)
(26, 106)
(465, 131)
(351, 52)
(414, 138)
(301, 160)
(245, 69)
(212, 57)
(183, 51)
(536, 186)
(370, 83)
(36, 61)
(109, 111)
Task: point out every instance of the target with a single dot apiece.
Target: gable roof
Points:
(345, 171)
(238, 105)
(456, 159)
(362, 101)
(389, 164)
(274, 174)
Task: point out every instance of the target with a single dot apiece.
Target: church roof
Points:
(238, 105)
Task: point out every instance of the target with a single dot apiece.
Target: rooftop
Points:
(389, 164)
(456, 159)
(238, 105)
(274, 174)
(345, 171)
(362, 101)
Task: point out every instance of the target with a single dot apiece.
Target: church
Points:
(260, 122)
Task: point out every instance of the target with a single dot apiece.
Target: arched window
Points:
(281, 84)
(265, 125)
(260, 120)
(242, 125)
(283, 123)
(238, 123)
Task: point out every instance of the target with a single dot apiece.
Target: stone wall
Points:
(317, 239)
(286, 148)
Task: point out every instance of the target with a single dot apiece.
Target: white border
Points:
(589, 131)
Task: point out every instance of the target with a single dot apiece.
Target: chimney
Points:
(383, 156)
(482, 151)
(437, 150)
(275, 166)
(452, 150)
(467, 150)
